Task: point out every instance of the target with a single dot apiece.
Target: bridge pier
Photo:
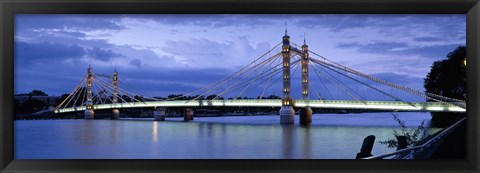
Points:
(89, 114)
(188, 114)
(115, 114)
(306, 115)
(287, 115)
(159, 114)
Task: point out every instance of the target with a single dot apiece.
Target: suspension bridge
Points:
(102, 92)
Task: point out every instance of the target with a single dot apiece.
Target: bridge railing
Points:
(410, 153)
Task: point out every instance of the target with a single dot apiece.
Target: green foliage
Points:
(414, 135)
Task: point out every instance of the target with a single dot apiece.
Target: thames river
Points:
(330, 136)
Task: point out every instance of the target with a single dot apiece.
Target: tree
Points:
(139, 98)
(448, 78)
(273, 97)
(61, 99)
(32, 106)
(38, 93)
(17, 106)
(214, 96)
(80, 97)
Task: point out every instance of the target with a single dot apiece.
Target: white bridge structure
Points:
(338, 104)
(97, 91)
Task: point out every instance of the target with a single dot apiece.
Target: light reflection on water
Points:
(155, 131)
(330, 136)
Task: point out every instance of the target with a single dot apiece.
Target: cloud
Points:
(204, 53)
(188, 62)
(63, 76)
(82, 22)
(400, 48)
(397, 78)
(342, 22)
(209, 20)
(153, 81)
(46, 52)
(333, 22)
(147, 58)
(102, 54)
(136, 62)
(428, 39)
(376, 47)
(434, 51)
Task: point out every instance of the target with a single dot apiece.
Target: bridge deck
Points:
(335, 104)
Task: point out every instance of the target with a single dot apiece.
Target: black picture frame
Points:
(8, 8)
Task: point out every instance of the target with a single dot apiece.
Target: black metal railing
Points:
(409, 153)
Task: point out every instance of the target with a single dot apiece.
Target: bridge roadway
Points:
(333, 104)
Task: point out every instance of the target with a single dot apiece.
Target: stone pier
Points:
(188, 114)
(287, 115)
(159, 114)
(306, 116)
(115, 114)
(89, 114)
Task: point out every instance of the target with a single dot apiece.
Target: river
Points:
(330, 136)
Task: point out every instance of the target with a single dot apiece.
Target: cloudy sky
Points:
(157, 55)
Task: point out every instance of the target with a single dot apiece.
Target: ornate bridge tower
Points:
(89, 113)
(286, 112)
(115, 111)
(305, 113)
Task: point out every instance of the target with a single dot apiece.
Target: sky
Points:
(157, 55)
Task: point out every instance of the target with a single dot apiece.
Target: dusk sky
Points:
(163, 54)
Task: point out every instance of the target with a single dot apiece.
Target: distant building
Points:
(50, 100)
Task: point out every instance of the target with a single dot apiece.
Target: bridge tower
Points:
(115, 111)
(305, 113)
(89, 113)
(286, 112)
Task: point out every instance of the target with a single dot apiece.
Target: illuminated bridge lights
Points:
(338, 104)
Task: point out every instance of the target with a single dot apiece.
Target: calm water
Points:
(331, 136)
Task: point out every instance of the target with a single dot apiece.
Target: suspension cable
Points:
(269, 79)
(261, 63)
(109, 85)
(406, 89)
(107, 89)
(120, 90)
(226, 78)
(256, 78)
(335, 82)
(119, 94)
(252, 72)
(356, 80)
(275, 72)
(318, 94)
(73, 94)
(76, 87)
(403, 88)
